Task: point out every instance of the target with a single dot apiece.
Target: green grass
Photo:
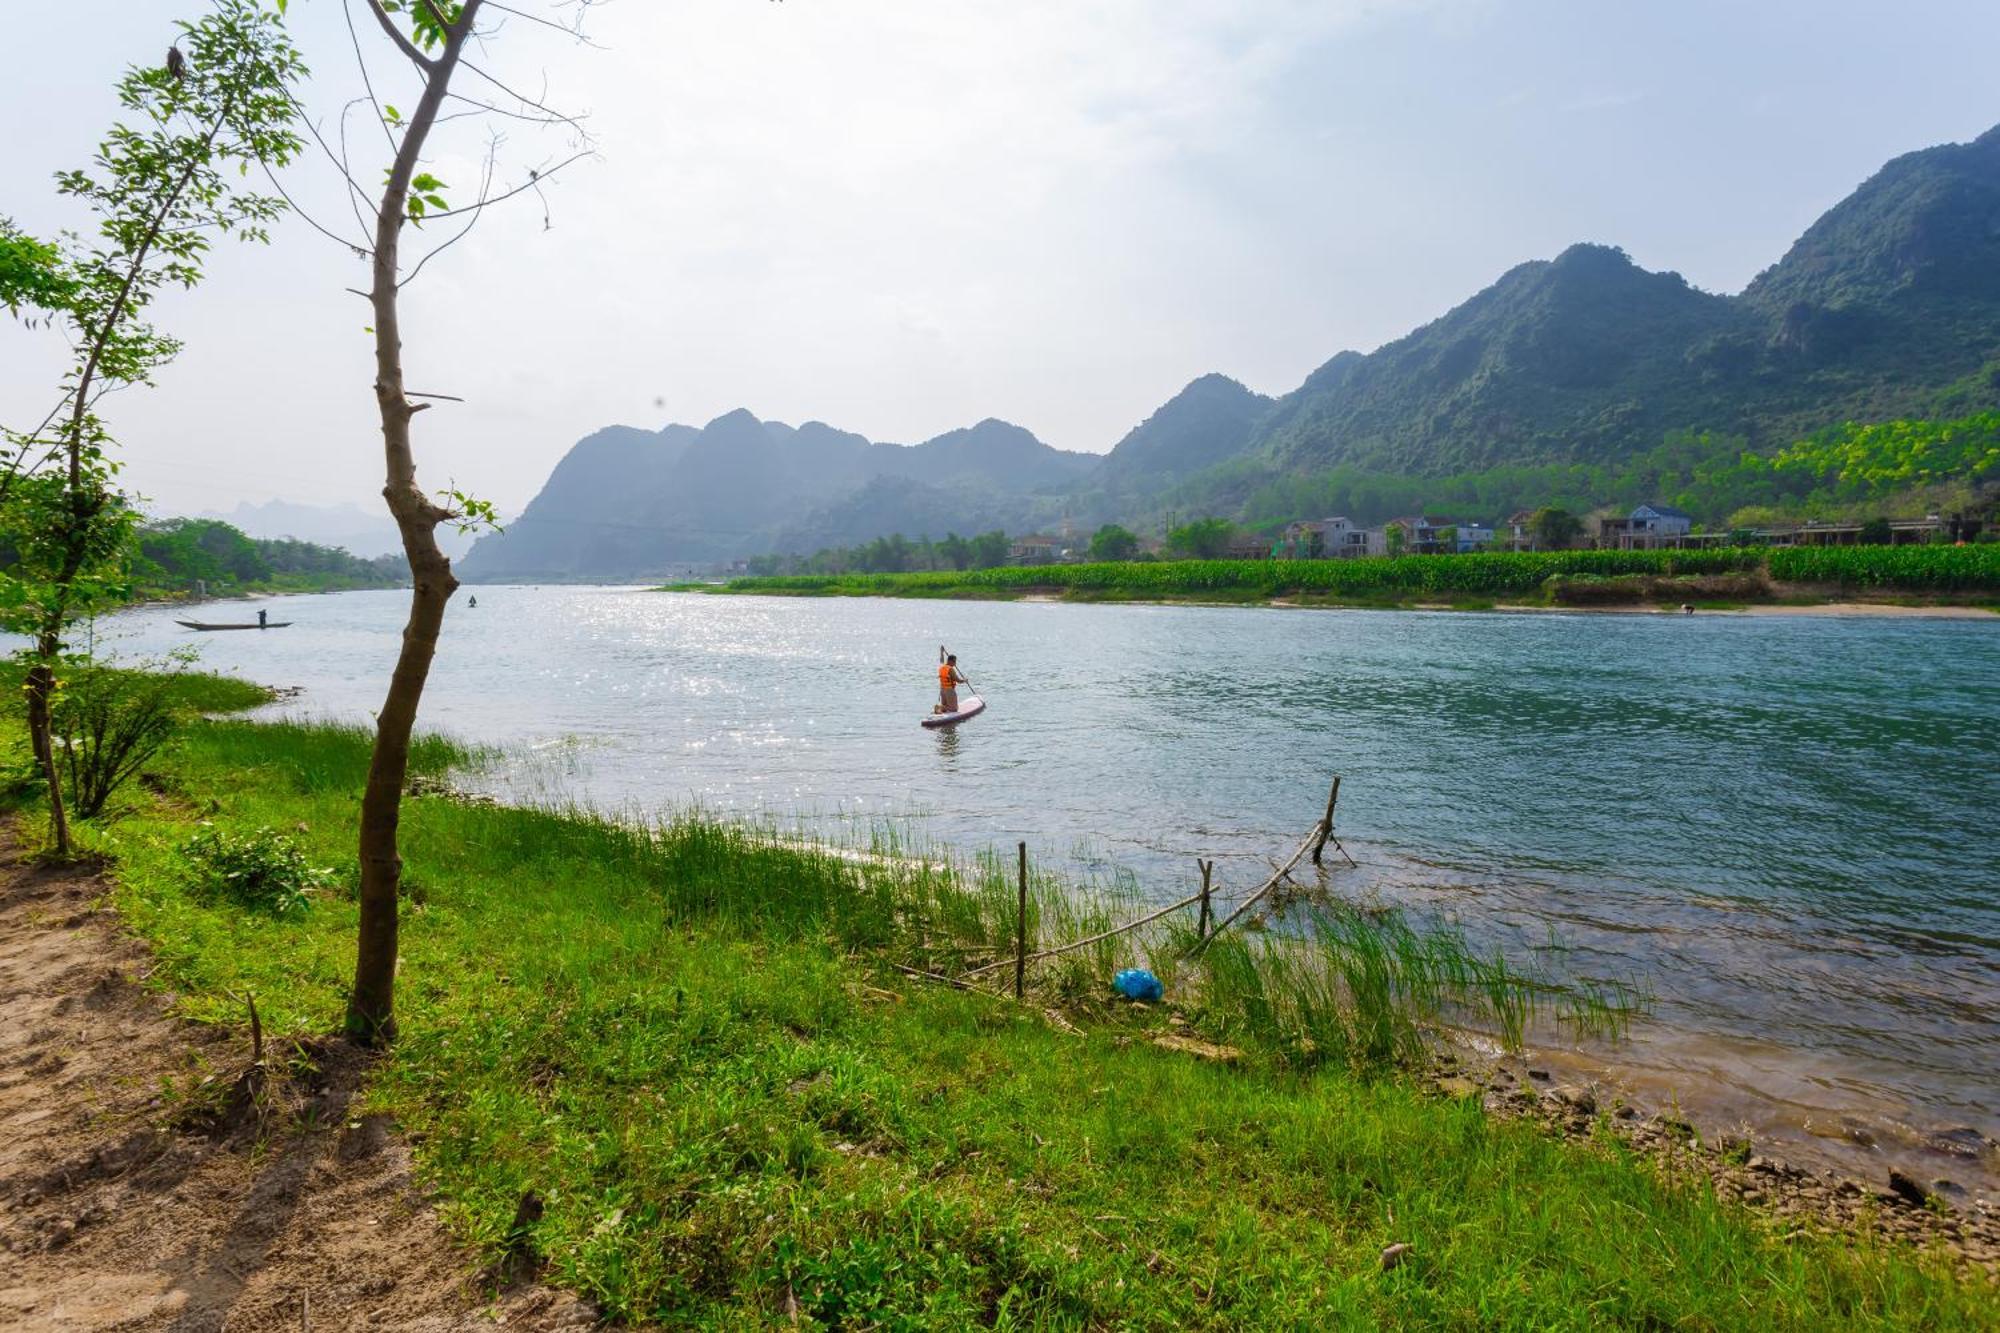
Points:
(1455, 579)
(192, 691)
(689, 1045)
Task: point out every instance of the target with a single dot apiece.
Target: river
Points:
(1784, 827)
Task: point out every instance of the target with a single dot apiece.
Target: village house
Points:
(1469, 537)
(1649, 527)
(1323, 539)
(1034, 549)
(1425, 534)
(1900, 532)
(1250, 546)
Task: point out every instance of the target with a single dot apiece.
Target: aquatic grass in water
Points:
(1368, 990)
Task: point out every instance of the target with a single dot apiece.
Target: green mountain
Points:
(1560, 358)
(1575, 380)
(1888, 307)
(1212, 419)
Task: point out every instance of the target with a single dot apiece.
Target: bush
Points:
(107, 724)
(264, 870)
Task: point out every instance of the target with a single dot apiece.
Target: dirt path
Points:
(127, 1206)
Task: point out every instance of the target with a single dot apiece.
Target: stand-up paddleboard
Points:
(970, 706)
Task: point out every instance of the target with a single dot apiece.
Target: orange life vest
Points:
(946, 673)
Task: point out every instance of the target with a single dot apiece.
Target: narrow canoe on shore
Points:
(207, 626)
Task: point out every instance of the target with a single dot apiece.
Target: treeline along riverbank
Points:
(688, 1074)
(1739, 576)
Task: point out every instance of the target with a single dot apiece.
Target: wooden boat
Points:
(968, 707)
(207, 626)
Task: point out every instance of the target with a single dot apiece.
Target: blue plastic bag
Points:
(1136, 983)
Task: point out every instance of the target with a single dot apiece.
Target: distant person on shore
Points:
(1687, 608)
(949, 680)
(472, 601)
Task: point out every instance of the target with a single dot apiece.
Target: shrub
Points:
(264, 870)
(107, 724)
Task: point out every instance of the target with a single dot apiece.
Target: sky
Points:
(904, 216)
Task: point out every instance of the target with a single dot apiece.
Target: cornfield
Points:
(1916, 568)
(1495, 575)
(1501, 574)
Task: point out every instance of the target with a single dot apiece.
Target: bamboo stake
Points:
(1262, 890)
(1201, 927)
(1021, 929)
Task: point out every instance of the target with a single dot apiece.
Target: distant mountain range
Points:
(1888, 306)
(629, 503)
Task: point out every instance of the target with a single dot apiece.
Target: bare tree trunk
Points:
(40, 686)
(371, 1007)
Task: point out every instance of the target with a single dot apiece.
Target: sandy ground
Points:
(1844, 610)
(1840, 610)
(1882, 609)
(143, 1187)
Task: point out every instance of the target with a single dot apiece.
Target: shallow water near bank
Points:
(1782, 826)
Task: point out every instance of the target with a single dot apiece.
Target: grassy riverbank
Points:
(1582, 578)
(690, 1048)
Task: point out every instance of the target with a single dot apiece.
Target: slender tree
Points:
(431, 37)
(162, 192)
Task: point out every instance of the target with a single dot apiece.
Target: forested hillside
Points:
(178, 556)
(1861, 369)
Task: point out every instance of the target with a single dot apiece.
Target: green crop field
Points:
(1909, 568)
(1420, 577)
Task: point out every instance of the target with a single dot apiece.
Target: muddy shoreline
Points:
(1931, 1213)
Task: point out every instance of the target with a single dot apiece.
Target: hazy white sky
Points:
(901, 216)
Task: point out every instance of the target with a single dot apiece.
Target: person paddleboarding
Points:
(950, 709)
(949, 679)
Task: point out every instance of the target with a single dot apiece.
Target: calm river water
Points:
(1785, 827)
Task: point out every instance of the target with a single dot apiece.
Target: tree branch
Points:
(339, 160)
(313, 222)
(485, 184)
(403, 44)
(553, 118)
(534, 179)
(554, 115)
(576, 32)
(367, 84)
(356, 195)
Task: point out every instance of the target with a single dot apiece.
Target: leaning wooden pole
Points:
(1326, 820)
(1207, 870)
(1021, 930)
(1257, 895)
(1088, 940)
